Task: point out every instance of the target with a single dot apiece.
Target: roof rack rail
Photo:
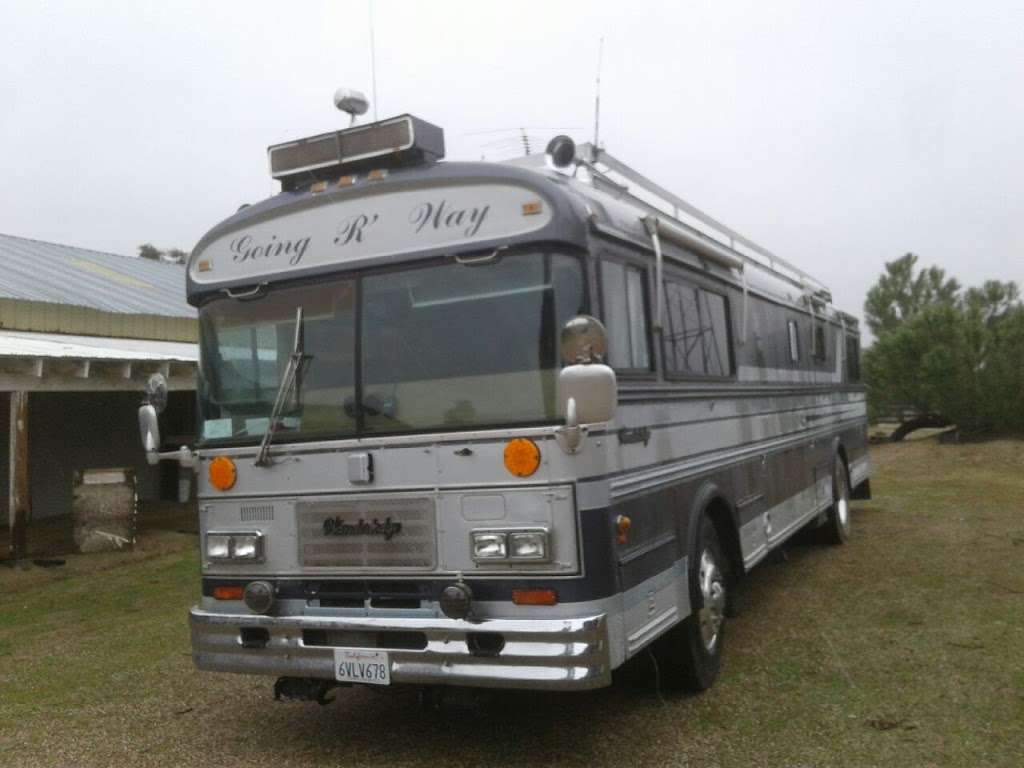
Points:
(604, 169)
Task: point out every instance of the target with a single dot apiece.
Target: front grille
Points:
(367, 533)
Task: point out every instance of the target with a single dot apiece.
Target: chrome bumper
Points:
(557, 654)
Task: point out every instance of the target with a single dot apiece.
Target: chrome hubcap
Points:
(712, 588)
(843, 502)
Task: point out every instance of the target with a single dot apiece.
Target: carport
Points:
(71, 405)
(80, 333)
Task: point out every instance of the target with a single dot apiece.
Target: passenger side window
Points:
(697, 341)
(625, 315)
(819, 353)
(794, 342)
(852, 358)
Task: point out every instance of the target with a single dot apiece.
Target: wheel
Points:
(836, 529)
(689, 655)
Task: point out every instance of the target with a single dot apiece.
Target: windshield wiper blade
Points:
(291, 379)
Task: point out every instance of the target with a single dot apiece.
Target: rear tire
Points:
(836, 529)
(689, 656)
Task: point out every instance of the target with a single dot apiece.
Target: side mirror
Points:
(587, 394)
(149, 428)
(156, 392)
(587, 388)
(583, 340)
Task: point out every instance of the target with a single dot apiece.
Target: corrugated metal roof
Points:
(67, 347)
(32, 270)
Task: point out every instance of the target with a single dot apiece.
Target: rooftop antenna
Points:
(373, 63)
(597, 98)
(351, 102)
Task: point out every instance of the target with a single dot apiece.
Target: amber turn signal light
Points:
(534, 597)
(622, 526)
(522, 457)
(228, 593)
(222, 473)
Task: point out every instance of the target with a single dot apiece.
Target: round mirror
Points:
(156, 392)
(561, 151)
(583, 340)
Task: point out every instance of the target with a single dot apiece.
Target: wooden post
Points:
(18, 499)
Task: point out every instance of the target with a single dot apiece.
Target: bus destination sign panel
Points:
(373, 226)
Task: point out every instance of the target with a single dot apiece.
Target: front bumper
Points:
(553, 654)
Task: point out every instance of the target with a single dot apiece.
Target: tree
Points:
(176, 256)
(149, 251)
(954, 358)
(899, 294)
(173, 255)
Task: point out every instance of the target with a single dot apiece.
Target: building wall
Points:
(70, 431)
(45, 317)
(4, 448)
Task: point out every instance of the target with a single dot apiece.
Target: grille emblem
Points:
(335, 526)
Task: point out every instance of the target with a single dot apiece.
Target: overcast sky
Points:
(839, 135)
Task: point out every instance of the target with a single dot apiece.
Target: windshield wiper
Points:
(292, 379)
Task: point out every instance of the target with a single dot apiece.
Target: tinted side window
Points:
(852, 358)
(819, 353)
(637, 318)
(622, 295)
(715, 325)
(794, 342)
(696, 332)
(684, 342)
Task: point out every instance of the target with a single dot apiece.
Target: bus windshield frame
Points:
(436, 345)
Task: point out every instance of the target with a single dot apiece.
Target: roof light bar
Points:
(402, 140)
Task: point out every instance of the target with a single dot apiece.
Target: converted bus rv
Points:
(498, 424)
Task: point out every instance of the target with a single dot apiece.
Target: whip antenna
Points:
(597, 97)
(373, 64)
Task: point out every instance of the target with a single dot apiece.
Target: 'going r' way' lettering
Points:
(245, 249)
(441, 215)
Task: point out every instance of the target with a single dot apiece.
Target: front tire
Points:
(689, 656)
(836, 529)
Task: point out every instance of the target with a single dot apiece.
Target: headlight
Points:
(218, 546)
(489, 545)
(518, 545)
(528, 545)
(249, 547)
(235, 547)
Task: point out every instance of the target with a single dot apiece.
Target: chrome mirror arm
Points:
(184, 456)
(570, 437)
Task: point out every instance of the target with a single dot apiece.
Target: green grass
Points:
(903, 648)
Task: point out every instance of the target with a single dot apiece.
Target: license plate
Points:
(369, 667)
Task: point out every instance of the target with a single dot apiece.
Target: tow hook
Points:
(304, 689)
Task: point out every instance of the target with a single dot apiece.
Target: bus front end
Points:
(394, 432)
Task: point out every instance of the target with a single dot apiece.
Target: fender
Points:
(708, 491)
(836, 443)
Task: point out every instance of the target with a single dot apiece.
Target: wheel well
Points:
(841, 452)
(720, 514)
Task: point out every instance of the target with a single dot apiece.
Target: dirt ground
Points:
(903, 648)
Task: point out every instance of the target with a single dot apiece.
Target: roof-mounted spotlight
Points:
(351, 102)
(561, 151)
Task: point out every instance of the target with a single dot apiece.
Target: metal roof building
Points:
(63, 289)
(80, 332)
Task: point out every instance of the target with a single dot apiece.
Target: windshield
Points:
(436, 346)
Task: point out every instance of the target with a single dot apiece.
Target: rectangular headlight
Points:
(247, 546)
(489, 545)
(231, 547)
(528, 545)
(218, 546)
